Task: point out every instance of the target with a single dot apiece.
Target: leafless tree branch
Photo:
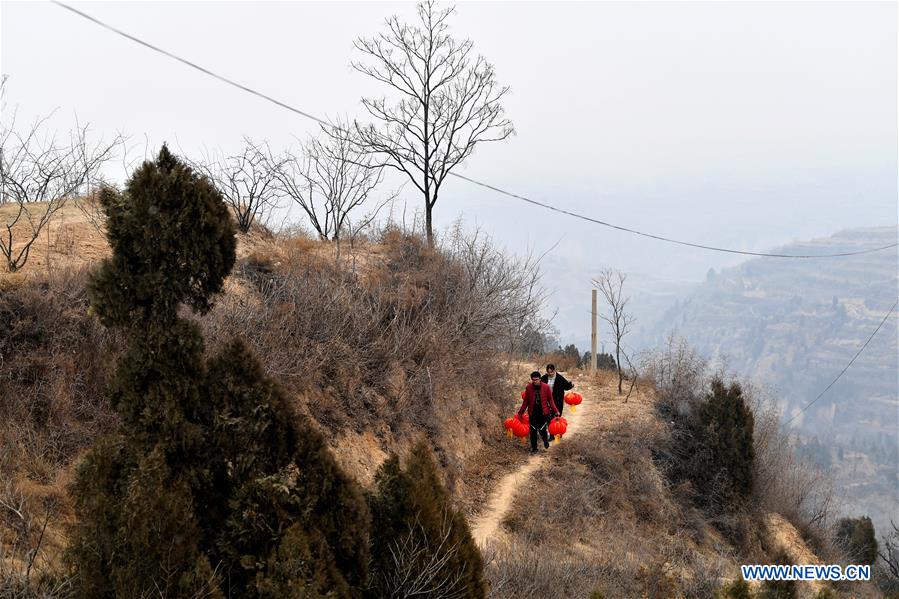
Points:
(890, 554)
(329, 179)
(247, 181)
(448, 101)
(610, 283)
(40, 173)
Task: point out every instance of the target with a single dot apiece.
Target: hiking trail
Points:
(486, 527)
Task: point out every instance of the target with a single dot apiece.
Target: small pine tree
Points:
(603, 361)
(209, 488)
(780, 589)
(571, 353)
(606, 362)
(278, 476)
(421, 542)
(858, 537)
(719, 451)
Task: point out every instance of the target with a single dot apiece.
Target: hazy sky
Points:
(746, 125)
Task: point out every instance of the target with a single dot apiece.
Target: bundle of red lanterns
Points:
(573, 399)
(517, 426)
(557, 427)
(522, 426)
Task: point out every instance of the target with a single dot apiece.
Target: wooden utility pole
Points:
(593, 337)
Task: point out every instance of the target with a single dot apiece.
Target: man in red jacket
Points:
(538, 401)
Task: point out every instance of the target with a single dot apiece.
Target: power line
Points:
(458, 176)
(668, 239)
(517, 196)
(857, 354)
(190, 64)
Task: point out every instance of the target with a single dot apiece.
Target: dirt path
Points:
(486, 526)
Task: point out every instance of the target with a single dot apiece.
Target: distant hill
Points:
(794, 325)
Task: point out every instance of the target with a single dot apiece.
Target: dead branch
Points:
(890, 553)
(420, 564)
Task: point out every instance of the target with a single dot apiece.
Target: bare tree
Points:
(330, 178)
(633, 374)
(497, 295)
(890, 556)
(38, 175)
(784, 481)
(247, 181)
(610, 283)
(22, 560)
(449, 101)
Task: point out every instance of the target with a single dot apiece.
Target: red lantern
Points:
(509, 424)
(521, 428)
(526, 418)
(557, 428)
(573, 399)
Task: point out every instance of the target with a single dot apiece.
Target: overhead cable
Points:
(546, 206)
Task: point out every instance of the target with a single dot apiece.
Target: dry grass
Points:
(380, 343)
(377, 353)
(68, 241)
(74, 239)
(54, 359)
(601, 517)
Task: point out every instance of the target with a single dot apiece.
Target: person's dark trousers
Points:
(560, 403)
(539, 424)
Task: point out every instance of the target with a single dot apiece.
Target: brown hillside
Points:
(366, 339)
(74, 238)
(595, 517)
(370, 342)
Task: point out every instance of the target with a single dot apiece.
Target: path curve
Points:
(486, 527)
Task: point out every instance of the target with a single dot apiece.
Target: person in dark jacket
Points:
(538, 401)
(559, 385)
